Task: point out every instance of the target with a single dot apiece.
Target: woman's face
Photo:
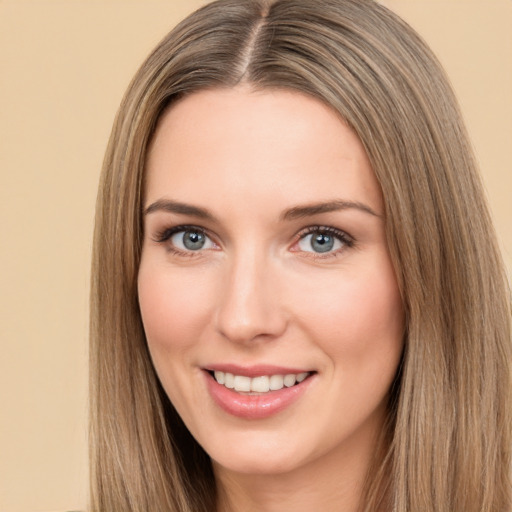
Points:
(265, 267)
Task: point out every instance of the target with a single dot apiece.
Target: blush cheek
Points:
(172, 309)
(376, 336)
(358, 321)
(174, 313)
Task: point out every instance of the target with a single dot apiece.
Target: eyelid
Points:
(314, 228)
(347, 240)
(164, 236)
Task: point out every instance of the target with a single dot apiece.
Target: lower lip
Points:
(253, 407)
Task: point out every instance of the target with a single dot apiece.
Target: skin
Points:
(258, 293)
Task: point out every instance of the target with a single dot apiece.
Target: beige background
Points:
(64, 65)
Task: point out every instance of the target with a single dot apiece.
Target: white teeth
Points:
(242, 383)
(229, 380)
(261, 384)
(276, 382)
(289, 380)
(302, 376)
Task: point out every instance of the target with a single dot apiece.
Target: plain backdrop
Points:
(64, 65)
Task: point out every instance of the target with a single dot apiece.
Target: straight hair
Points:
(446, 445)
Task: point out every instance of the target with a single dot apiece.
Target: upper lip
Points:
(255, 370)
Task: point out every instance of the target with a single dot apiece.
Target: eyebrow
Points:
(308, 210)
(297, 212)
(176, 207)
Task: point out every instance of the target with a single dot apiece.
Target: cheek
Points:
(358, 319)
(174, 306)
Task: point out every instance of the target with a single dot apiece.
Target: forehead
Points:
(241, 142)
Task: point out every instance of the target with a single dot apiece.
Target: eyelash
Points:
(348, 241)
(165, 235)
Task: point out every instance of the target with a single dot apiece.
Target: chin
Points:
(260, 456)
(257, 465)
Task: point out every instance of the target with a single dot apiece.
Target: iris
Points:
(321, 242)
(193, 240)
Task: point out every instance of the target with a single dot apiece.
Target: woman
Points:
(297, 297)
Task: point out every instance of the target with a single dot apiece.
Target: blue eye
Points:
(191, 240)
(323, 241)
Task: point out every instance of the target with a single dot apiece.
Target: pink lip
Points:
(260, 406)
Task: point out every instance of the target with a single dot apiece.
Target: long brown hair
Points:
(447, 446)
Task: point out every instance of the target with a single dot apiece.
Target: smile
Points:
(257, 392)
(259, 384)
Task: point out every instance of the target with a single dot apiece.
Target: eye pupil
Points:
(193, 240)
(322, 242)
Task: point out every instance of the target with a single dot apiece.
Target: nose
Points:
(249, 306)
